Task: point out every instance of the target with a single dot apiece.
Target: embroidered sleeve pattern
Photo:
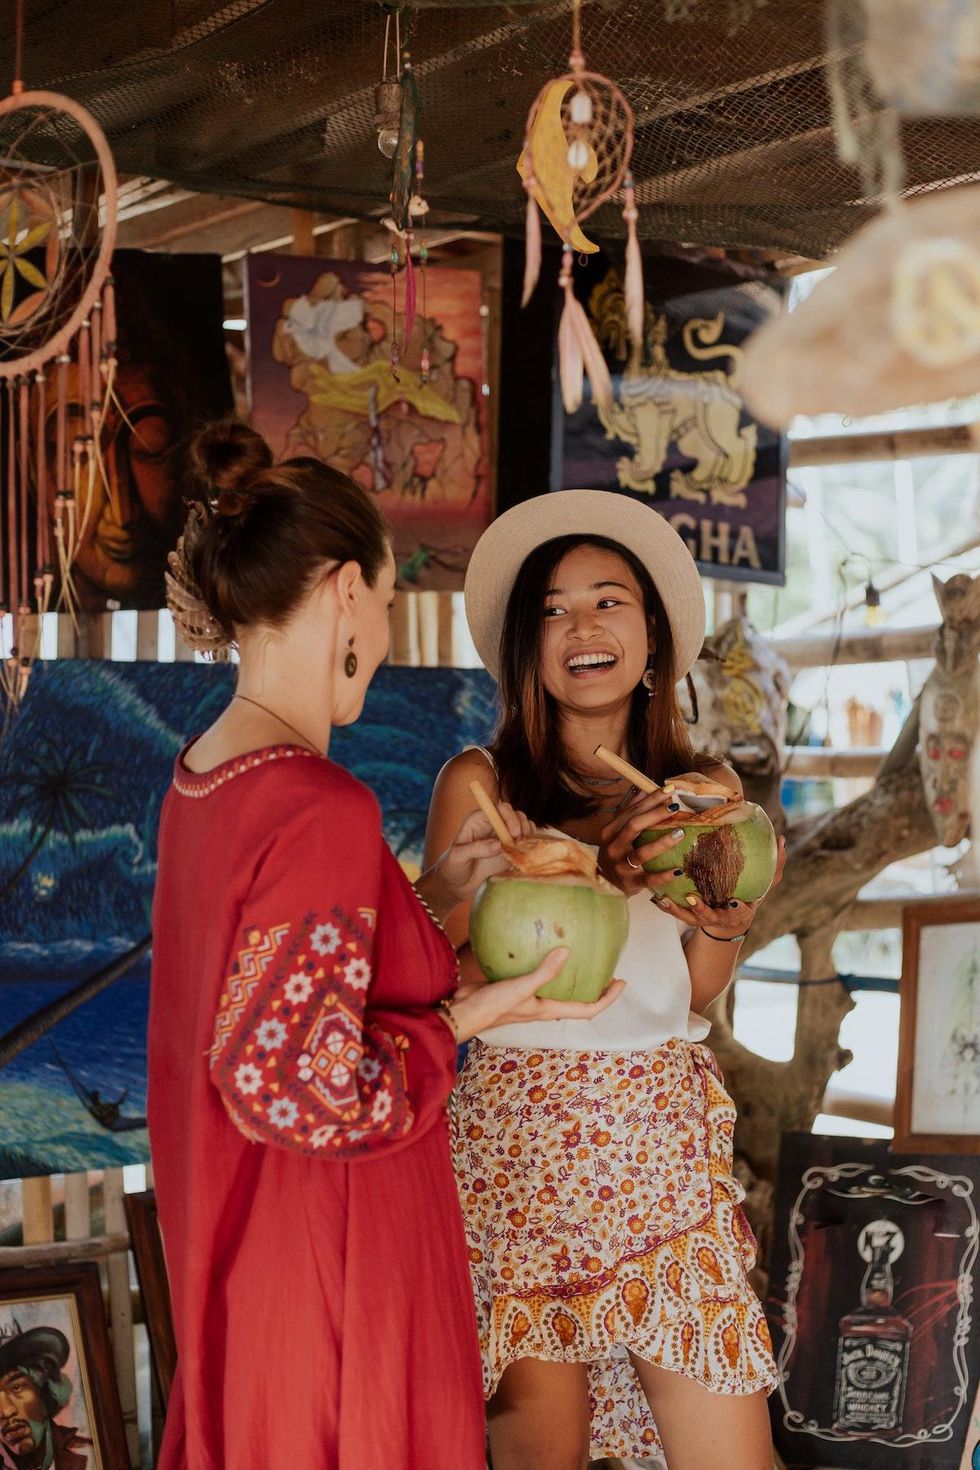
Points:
(296, 1058)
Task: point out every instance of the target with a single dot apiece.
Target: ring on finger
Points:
(630, 863)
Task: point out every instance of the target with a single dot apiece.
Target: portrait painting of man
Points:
(38, 1430)
(59, 1405)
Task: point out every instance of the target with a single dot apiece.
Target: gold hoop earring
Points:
(350, 662)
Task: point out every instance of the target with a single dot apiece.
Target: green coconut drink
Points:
(727, 851)
(518, 918)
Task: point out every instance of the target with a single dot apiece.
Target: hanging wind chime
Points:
(398, 118)
(576, 157)
(57, 346)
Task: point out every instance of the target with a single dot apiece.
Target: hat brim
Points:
(505, 545)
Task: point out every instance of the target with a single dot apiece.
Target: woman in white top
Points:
(607, 1243)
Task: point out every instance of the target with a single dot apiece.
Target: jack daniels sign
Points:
(678, 435)
(871, 1304)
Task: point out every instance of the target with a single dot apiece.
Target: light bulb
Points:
(388, 141)
(874, 613)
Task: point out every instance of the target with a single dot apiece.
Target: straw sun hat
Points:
(509, 540)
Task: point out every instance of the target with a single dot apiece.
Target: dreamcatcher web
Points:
(57, 346)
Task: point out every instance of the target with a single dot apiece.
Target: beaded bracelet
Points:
(726, 939)
(446, 1009)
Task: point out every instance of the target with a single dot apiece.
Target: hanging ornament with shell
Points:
(577, 151)
(399, 136)
(58, 364)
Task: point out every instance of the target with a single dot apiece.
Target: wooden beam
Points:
(868, 914)
(48, 1253)
(889, 645)
(872, 448)
(841, 1104)
(804, 762)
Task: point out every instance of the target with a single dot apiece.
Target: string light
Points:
(874, 613)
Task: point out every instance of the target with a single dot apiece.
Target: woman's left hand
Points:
(475, 854)
(724, 923)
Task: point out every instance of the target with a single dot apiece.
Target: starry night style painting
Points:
(83, 772)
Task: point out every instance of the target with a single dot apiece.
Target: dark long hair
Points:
(527, 745)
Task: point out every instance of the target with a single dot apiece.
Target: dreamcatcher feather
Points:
(576, 157)
(57, 315)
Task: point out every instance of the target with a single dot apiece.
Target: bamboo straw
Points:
(485, 803)
(623, 768)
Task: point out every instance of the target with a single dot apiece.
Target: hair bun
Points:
(231, 459)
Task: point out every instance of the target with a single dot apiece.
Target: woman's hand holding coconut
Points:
(475, 855)
(620, 861)
(479, 1005)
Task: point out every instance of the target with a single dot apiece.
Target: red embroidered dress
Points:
(297, 1111)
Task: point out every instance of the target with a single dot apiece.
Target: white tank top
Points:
(655, 1007)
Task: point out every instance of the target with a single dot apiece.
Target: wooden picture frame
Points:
(146, 1243)
(937, 1095)
(56, 1367)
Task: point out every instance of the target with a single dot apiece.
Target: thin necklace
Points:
(267, 711)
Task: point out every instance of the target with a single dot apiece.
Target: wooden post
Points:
(78, 1207)
(405, 630)
(304, 241)
(121, 1310)
(446, 616)
(38, 1216)
(428, 614)
(147, 636)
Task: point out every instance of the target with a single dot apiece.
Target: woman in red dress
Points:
(302, 1043)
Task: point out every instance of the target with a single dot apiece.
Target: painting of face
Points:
(132, 514)
(949, 753)
(172, 376)
(949, 709)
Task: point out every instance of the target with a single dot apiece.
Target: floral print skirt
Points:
(602, 1218)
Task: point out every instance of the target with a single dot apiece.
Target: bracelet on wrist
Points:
(445, 1008)
(726, 938)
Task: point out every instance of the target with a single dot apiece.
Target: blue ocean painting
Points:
(83, 772)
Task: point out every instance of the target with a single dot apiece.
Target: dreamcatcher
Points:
(57, 344)
(577, 150)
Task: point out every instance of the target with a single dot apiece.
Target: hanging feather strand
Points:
(579, 354)
(633, 279)
(532, 243)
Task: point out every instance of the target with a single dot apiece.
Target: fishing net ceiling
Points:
(274, 100)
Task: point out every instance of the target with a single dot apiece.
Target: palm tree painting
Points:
(53, 789)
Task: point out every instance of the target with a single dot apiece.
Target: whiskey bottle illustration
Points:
(873, 1343)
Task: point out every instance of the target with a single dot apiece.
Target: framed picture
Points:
(677, 435)
(58, 1400)
(937, 1102)
(871, 1305)
(146, 1243)
(322, 335)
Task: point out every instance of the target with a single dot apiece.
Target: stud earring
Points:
(350, 662)
(647, 680)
